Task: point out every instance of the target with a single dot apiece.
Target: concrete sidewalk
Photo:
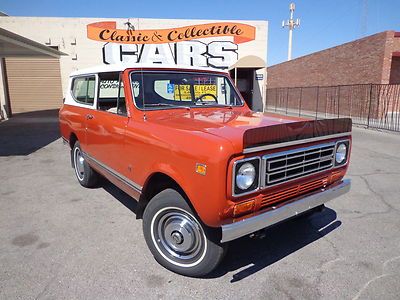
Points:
(61, 241)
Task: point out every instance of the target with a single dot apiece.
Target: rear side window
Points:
(83, 89)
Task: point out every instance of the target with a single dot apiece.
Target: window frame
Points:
(120, 79)
(226, 76)
(86, 77)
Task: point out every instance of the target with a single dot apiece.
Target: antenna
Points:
(291, 24)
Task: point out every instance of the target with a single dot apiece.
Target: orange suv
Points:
(203, 167)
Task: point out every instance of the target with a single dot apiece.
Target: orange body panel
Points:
(172, 142)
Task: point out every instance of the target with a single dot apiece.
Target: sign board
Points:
(203, 45)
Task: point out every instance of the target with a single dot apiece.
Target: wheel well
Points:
(72, 140)
(154, 185)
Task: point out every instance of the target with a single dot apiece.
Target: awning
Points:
(15, 45)
(250, 62)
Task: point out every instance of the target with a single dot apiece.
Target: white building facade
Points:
(238, 46)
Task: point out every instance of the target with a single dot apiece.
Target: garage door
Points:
(33, 84)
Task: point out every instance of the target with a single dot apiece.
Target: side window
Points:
(111, 94)
(91, 82)
(83, 89)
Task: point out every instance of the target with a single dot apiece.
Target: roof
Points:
(12, 44)
(121, 67)
(250, 61)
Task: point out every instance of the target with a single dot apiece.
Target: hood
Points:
(229, 124)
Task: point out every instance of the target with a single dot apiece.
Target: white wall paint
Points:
(70, 35)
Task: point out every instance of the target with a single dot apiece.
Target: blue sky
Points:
(323, 23)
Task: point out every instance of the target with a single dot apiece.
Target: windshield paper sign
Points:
(206, 91)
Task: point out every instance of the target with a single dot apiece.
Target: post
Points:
(291, 24)
(289, 55)
(287, 99)
(5, 107)
(236, 77)
(369, 107)
(326, 103)
(338, 103)
(316, 108)
(301, 98)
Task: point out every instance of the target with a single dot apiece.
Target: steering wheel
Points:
(205, 95)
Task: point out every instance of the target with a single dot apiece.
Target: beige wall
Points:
(70, 35)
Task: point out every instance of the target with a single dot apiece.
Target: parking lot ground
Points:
(59, 240)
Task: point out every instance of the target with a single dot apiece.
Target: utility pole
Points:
(291, 24)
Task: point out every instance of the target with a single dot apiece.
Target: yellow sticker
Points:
(183, 91)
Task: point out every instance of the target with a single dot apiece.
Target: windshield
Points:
(160, 90)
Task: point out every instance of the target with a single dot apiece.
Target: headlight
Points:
(245, 176)
(341, 153)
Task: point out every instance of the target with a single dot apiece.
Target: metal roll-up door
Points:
(33, 84)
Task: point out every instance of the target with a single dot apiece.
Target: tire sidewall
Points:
(156, 245)
(90, 177)
(76, 148)
(212, 252)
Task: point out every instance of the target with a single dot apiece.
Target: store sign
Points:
(179, 46)
(218, 54)
(107, 32)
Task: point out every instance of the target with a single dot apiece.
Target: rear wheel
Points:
(86, 176)
(177, 240)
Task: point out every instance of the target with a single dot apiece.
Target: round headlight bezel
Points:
(341, 153)
(249, 167)
(245, 176)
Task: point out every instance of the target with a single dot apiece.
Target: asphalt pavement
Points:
(59, 240)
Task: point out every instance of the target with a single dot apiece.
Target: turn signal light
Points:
(201, 169)
(242, 208)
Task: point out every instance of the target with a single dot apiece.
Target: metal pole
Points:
(301, 98)
(291, 24)
(236, 77)
(369, 108)
(287, 99)
(289, 55)
(338, 105)
(316, 108)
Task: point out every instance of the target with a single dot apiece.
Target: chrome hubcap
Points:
(179, 236)
(79, 163)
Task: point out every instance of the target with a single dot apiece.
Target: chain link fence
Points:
(371, 105)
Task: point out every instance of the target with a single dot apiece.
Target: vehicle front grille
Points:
(289, 165)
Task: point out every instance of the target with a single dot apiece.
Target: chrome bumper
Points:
(271, 217)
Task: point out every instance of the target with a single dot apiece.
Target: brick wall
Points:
(367, 60)
(395, 71)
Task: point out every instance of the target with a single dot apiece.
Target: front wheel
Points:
(177, 240)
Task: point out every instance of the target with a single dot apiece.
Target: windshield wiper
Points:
(168, 105)
(211, 103)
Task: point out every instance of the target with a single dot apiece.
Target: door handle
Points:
(89, 116)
